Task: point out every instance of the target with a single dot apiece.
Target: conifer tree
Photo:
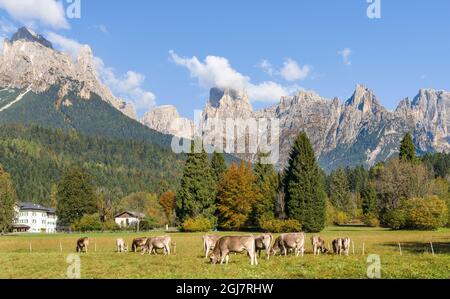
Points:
(408, 149)
(369, 200)
(304, 187)
(218, 165)
(196, 194)
(267, 183)
(339, 192)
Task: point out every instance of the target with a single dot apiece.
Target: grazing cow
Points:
(82, 245)
(285, 243)
(346, 245)
(337, 246)
(154, 243)
(138, 243)
(264, 242)
(318, 245)
(121, 246)
(234, 244)
(341, 245)
(209, 242)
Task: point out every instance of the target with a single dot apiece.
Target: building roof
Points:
(35, 207)
(131, 213)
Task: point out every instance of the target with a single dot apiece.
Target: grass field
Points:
(47, 261)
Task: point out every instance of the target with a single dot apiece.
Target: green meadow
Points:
(45, 256)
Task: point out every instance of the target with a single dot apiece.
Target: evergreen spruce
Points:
(304, 187)
(218, 166)
(196, 194)
(407, 149)
(369, 200)
(339, 192)
(76, 197)
(267, 182)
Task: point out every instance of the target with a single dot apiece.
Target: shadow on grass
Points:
(421, 247)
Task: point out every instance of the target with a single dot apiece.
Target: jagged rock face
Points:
(429, 115)
(29, 61)
(359, 131)
(167, 120)
(28, 35)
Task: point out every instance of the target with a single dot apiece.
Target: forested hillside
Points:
(36, 158)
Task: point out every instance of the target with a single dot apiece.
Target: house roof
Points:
(131, 213)
(34, 207)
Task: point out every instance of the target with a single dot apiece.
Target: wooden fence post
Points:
(400, 247)
(363, 248)
(432, 248)
(60, 246)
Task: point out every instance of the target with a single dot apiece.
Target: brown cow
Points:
(341, 245)
(138, 243)
(234, 244)
(154, 243)
(318, 245)
(264, 242)
(209, 242)
(82, 245)
(285, 243)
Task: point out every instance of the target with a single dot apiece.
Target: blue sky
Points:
(303, 42)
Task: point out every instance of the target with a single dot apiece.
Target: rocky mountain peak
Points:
(167, 120)
(364, 100)
(27, 34)
(219, 97)
(29, 61)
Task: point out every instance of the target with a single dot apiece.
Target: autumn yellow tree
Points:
(236, 195)
(167, 201)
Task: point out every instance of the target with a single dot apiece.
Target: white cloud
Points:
(102, 28)
(291, 71)
(216, 71)
(267, 67)
(46, 12)
(127, 86)
(67, 45)
(346, 56)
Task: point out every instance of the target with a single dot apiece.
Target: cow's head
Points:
(214, 258)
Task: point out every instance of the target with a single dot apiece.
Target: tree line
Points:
(406, 192)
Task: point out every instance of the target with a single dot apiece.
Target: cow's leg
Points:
(207, 252)
(224, 255)
(227, 259)
(168, 249)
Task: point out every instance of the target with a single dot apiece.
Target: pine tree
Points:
(339, 192)
(236, 196)
(369, 200)
(196, 194)
(267, 183)
(304, 187)
(218, 165)
(7, 201)
(76, 196)
(408, 149)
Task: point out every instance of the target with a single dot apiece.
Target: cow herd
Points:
(218, 248)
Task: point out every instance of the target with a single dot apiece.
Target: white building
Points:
(127, 218)
(34, 218)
